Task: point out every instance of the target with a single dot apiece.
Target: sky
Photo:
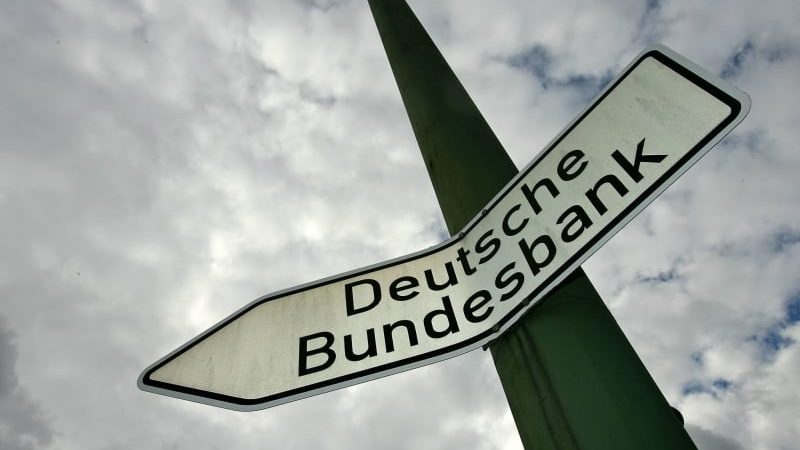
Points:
(164, 163)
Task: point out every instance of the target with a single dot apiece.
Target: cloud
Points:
(162, 165)
(708, 440)
(23, 423)
(539, 62)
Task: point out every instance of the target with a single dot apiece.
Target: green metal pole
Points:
(572, 379)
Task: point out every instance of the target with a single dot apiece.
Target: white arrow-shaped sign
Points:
(650, 125)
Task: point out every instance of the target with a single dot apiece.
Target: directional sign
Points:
(650, 125)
